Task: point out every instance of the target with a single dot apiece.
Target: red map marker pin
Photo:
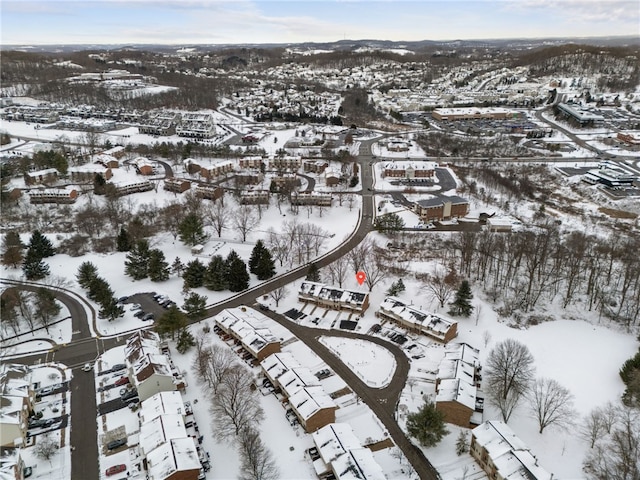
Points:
(360, 277)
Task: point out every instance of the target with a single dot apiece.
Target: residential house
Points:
(471, 113)
(286, 162)
(415, 320)
(17, 399)
(163, 403)
(209, 192)
(143, 166)
(107, 160)
(254, 197)
(11, 464)
(176, 459)
(41, 177)
(339, 452)
(249, 327)
(409, 170)
(252, 162)
(457, 383)
(128, 188)
(196, 125)
(160, 123)
(311, 198)
(53, 195)
(315, 166)
(177, 185)
(502, 455)
(118, 152)
(217, 169)
(150, 371)
(333, 298)
(313, 407)
(441, 208)
(87, 173)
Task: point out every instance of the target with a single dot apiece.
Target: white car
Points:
(87, 367)
(135, 306)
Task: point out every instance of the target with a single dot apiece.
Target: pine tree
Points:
(87, 271)
(266, 267)
(427, 425)
(123, 242)
(34, 268)
(136, 264)
(158, 267)
(177, 267)
(46, 307)
(12, 248)
(194, 306)
(216, 276)
(237, 274)
(185, 341)
(99, 185)
(172, 321)
(191, 230)
(40, 245)
(462, 443)
(193, 274)
(396, 288)
(256, 255)
(99, 291)
(313, 274)
(461, 305)
(111, 310)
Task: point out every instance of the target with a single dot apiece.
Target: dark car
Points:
(148, 316)
(123, 299)
(129, 393)
(139, 314)
(118, 366)
(113, 444)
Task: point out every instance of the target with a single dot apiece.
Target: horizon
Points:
(222, 22)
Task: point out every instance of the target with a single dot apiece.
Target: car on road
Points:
(87, 367)
(113, 444)
(116, 469)
(122, 381)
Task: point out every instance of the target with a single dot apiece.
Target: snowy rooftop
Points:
(293, 380)
(309, 400)
(462, 351)
(178, 455)
(160, 404)
(429, 321)
(159, 362)
(322, 291)
(509, 454)
(277, 364)
(405, 165)
(88, 168)
(160, 430)
(339, 447)
(454, 389)
(253, 338)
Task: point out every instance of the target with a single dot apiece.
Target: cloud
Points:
(590, 11)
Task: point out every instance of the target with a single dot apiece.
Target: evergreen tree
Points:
(123, 242)
(136, 264)
(193, 274)
(461, 305)
(194, 306)
(34, 268)
(396, 288)
(172, 321)
(313, 274)
(462, 443)
(185, 341)
(177, 267)
(390, 223)
(111, 310)
(191, 230)
(427, 425)
(99, 185)
(12, 248)
(87, 271)
(216, 276)
(99, 291)
(256, 255)
(237, 274)
(266, 267)
(158, 267)
(40, 245)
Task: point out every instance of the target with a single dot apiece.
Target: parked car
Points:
(135, 306)
(123, 299)
(148, 316)
(27, 471)
(139, 314)
(128, 394)
(46, 390)
(118, 366)
(122, 381)
(116, 469)
(132, 400)
(113, 444)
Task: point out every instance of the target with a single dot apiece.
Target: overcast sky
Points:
(262, 21)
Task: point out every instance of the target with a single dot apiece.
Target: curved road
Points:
(382, 402)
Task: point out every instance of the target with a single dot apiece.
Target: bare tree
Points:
(217, 215)
(593, 426)
(235, 406)
(257, 461)
(339, 270)
(46, 447)
(508, 373)
(551, 403)
(617, 455)
(373, 268)
(278, 294)
(278, 245)
(358, 255)
(221, 361)
(441, 285)
(245, 220)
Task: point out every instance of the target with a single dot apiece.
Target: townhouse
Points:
(333, 298)
(434, 326)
